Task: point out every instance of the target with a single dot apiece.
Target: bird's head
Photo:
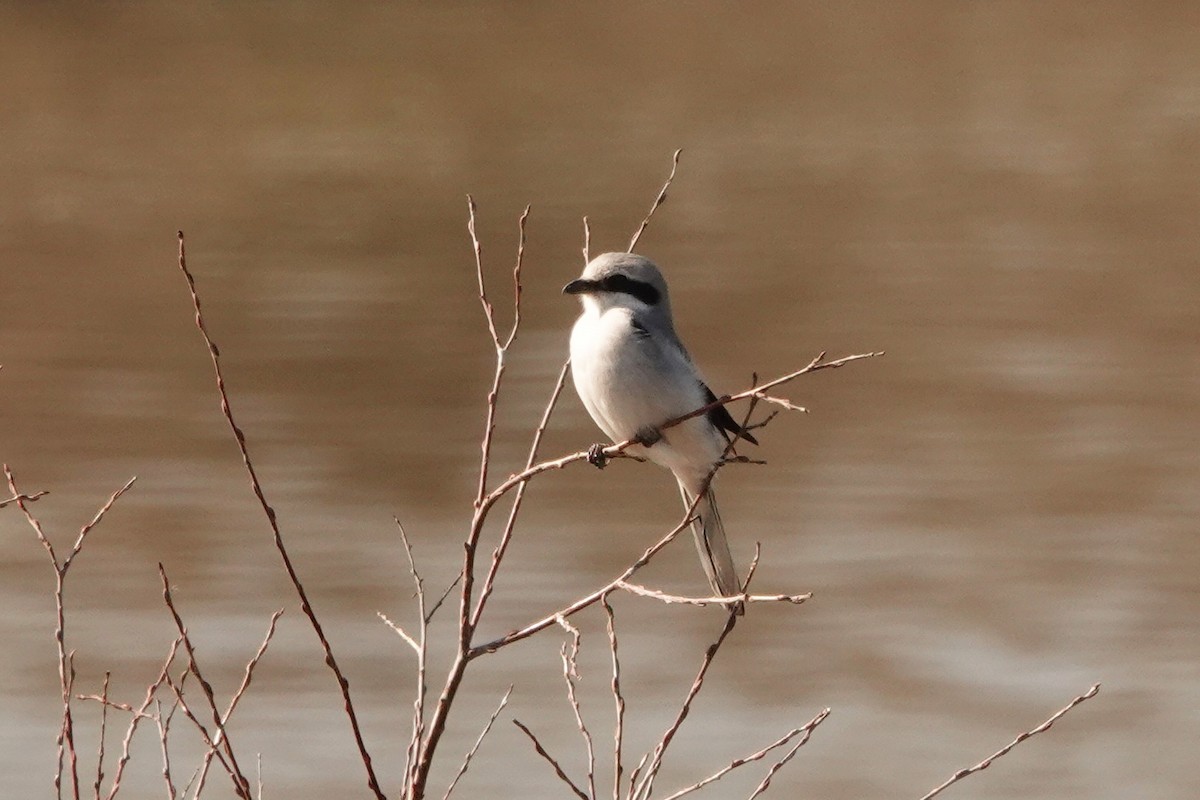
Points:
(621, 280)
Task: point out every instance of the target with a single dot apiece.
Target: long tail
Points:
(712, 545)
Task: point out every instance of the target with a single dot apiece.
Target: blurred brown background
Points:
(996, 515)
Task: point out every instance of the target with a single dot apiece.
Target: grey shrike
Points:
(633, 374)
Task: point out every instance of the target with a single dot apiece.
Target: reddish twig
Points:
(164, 727)
(103, 730)
(506, 536)
(138, 715)
(658, 201)
(593, 597)
(454, 677)
(22, 498)
(237, 696)
(618, 698)
(241, 785)
(570, 659)
(654, 764)
(269, 512)
(806, 730)
(962, 773)
(558, 770)
(420, 647)
(66, 737)
(478, 741)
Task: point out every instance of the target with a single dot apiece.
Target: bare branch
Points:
(475, 748)
(418, 720)
(962, 773)
(558, 770)
(103, 730)
(570, 659)
(241, 785)
(588, 599)
(151, 690)
(780, 742)
(22, 498)
(83, 532)
(587, 240)
(634, 588)
(305, 605)
(506, 537)
(778, 765)
(237, 696)
(164, 728)
(618, 698)
(658, 201)
(646, 786)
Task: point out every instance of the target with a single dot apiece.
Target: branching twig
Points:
(505, 537)
(241, 785)
(305, 605)
(780, 742)
(66, 739)
(237, 696)
(962, 773)
(570, 659)
(419, 645)
(151, 690)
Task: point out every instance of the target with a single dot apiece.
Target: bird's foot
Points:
(648, 436)
(596, 456)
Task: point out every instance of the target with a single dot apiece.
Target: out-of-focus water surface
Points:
(997, 514)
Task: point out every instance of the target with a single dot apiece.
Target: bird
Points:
(633, 374)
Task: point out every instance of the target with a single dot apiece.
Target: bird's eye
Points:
(626, 285)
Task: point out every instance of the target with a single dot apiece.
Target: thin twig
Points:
(22, 498)
(593, 597)
(66, 738)
(558, 770)
(305, 605)
(466, 628)
(570, 659)
(778, 765)
(103, 730)
(151, 690)
(419, 645)
(587, 240)
(237, 696)
(164, 727)
(506, 536)
(780, 742)
(177, 690)
(962, 773)
(638, 589)
(646, 786)
(475, 748)
(658, 201)
(618, 698)
(241, 785)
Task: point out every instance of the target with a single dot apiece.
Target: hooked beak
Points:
(579, 286)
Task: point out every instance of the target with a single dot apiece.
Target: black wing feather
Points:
(721, 418)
